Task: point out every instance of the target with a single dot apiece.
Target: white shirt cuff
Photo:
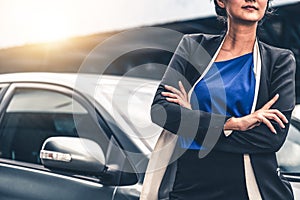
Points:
(227, 132)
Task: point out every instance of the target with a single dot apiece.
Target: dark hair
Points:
(222, 15)
(220, 11)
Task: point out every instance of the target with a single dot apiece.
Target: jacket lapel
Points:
(212, 48)
(257, 72)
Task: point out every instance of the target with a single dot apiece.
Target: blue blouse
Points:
(227, 88)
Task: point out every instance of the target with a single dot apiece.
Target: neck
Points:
(240, 38)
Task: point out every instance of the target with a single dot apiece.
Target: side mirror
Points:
(74, 154)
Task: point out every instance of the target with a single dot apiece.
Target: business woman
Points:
(230, 98)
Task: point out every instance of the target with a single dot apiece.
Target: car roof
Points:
(71, 79)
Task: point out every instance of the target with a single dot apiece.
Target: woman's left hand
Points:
(263, 115)
(177, 96)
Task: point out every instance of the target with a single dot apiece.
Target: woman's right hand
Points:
(177, 96)
(263, 115)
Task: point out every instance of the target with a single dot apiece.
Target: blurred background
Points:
(57, 35)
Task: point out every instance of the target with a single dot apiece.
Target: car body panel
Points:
(31, 184)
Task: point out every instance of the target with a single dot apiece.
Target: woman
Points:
(229, 98)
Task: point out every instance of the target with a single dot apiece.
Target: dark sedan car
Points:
(74, 137)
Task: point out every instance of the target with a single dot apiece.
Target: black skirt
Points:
(218, 176)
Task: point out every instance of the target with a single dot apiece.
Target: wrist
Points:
(232, 124)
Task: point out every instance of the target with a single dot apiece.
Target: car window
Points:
(32, 116)
(45, 101)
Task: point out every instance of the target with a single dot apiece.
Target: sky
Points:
(32, 21)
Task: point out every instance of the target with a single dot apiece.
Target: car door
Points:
(31, 113)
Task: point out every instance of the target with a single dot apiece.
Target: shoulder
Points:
(202, 37)
(276, 53)
(207, 42)
(280, 63)
(277, 60)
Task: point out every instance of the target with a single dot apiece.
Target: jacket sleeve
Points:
(260, 139)
(207, 128)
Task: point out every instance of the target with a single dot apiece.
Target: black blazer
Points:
(277, 76)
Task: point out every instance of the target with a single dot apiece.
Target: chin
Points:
(250, 19)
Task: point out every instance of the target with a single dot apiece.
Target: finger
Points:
(268, 124)
(271, 102)
(254, 125)
(182, 89)
(173, 89)
(172, 95)
(179, 102)
(172, 100)
(275, 118)
(279, 114)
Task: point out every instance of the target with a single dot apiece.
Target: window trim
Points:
(3, 89)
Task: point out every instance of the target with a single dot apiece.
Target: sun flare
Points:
(48, 28)
(43, 21)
